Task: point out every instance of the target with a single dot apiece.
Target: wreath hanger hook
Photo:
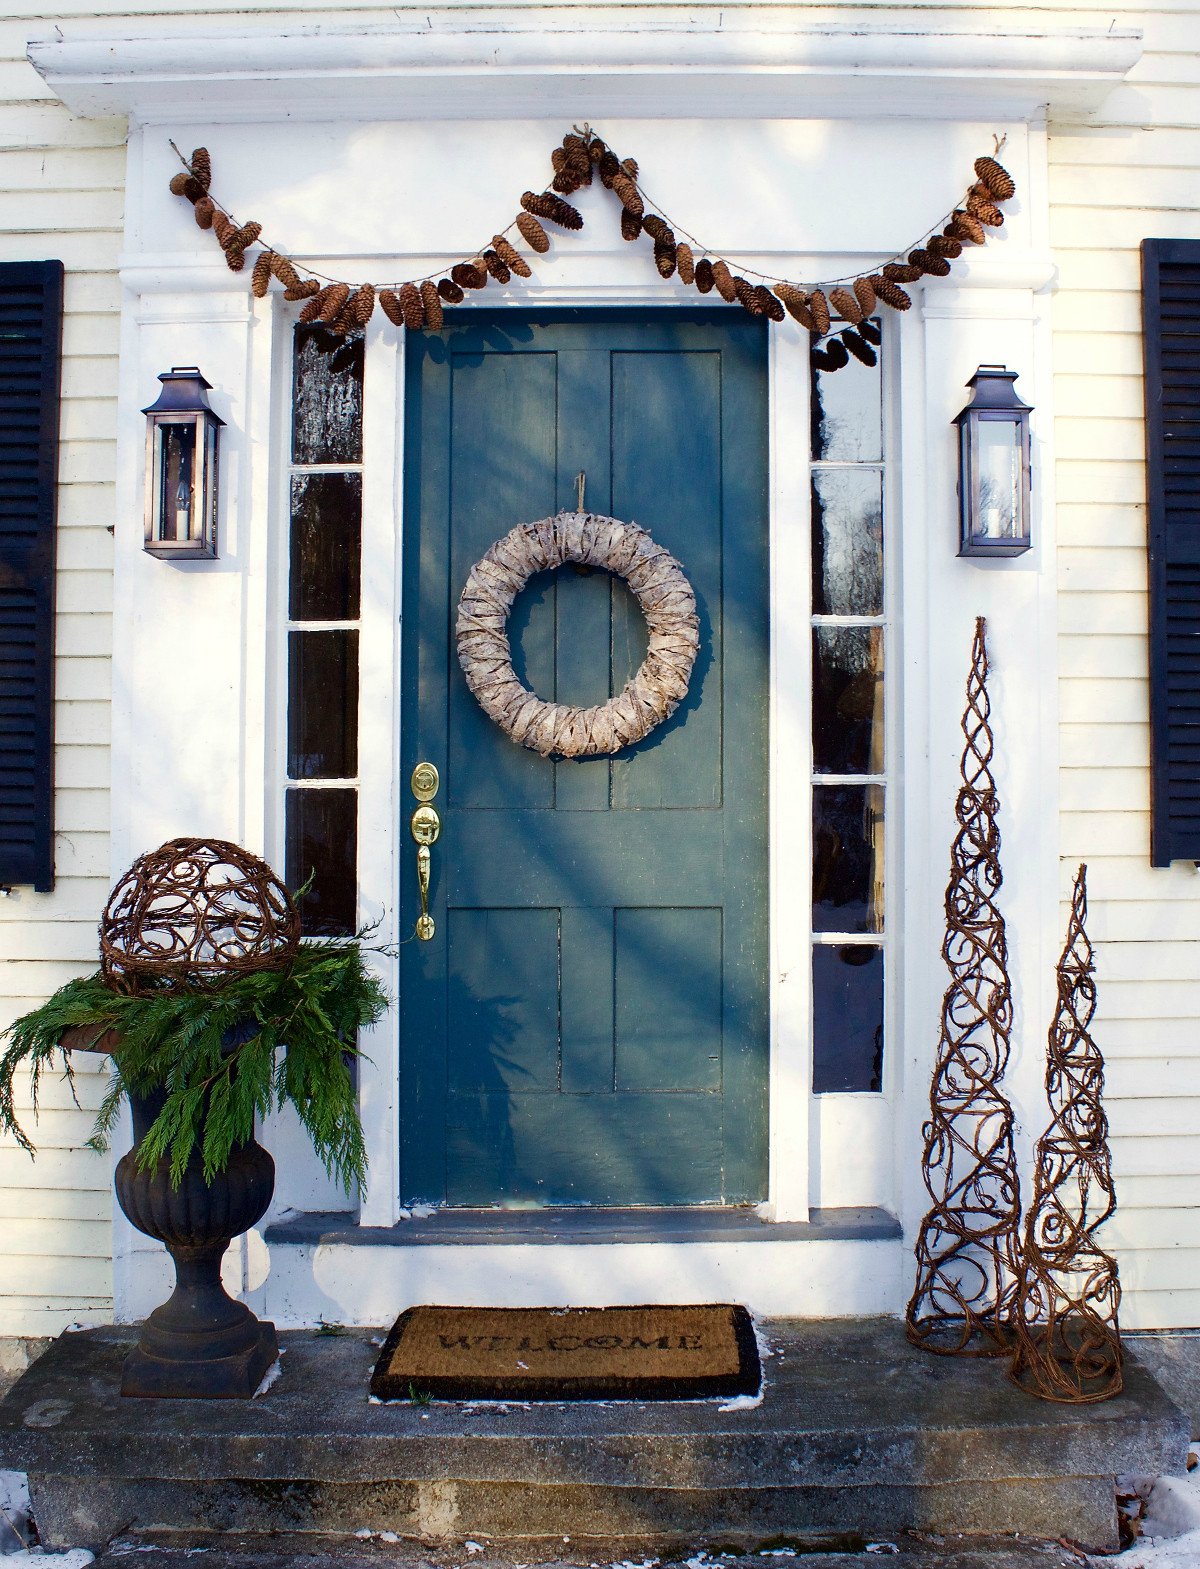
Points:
(580, 484)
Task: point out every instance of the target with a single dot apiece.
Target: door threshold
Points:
(523, 1227)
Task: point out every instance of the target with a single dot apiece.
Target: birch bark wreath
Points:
(662, 590)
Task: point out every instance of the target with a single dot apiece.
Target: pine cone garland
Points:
(469, 275)
(818, 308)
(859, 347)
(202, 166)
(629, 194)
(449, 291)
(510, 257)
(686, 263)
(498, 269)
(900, 272)
(431, 301)
(996, 177)
(723, 279)
(846, 305)
(704, 275)
(935, 266)
(533, 233)
(302, 289)
(205, 212)
(411, 307)
(389, 304)
(864, 293)
(796, 302)
(631, 225)
(260, 278)
(892, 294)
(664, 259)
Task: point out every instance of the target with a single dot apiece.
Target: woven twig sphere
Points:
(193, 913)
(657, 581)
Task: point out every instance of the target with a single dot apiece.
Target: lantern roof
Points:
(992, 388)
(184, 391)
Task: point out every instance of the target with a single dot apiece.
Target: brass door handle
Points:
(425, 825)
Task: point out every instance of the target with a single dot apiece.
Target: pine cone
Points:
(892, 294)
(631, 225)
(222, 228)
(943, 245)
(846, 305)
(362, 304)
(235, 259)
(985, 210)
(871, 331)
(859, 347)
(629, 194)
(243, 238)
(658, 229)
(704, 275)
(832, 357)
(335, 298)
(187, 185)
(283, 270)
(664, 259)
(302, 289)
(449, 291)
(574, 145)
(389, 304)
(260, 279)
(511, 258)
(343, 323)
(431, 300)
(202, 166)
(996, 177)
(744, 291)
(552, 208)
(469, 275)
(935, 266)
(498, 269)
(797, 304)
(768, 305)
(608, 169)
(864, 293)
(723, 279)
(818, 309)
(317, 303)
(411, 307)
(900, 272)
(965, 226)
(205, 212)
(630, 167)
(566, 182)
(686, 263)
(597, 150)
(558, 159)
(535, 236)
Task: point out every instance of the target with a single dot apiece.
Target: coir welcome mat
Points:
(616, 1353)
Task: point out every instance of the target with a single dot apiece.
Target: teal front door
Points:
(589, 1024)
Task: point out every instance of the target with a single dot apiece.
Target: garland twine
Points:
(582, 157)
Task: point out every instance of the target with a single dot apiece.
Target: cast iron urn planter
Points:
(200, 1343)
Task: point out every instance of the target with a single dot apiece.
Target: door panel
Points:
(589, 1024)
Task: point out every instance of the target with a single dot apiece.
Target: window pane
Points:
(327, 397)
(322, 705)
(847, 539)
(322, 844)
(848, 858)
(848, 700)
(326, 547)
(847, 1018)
(847, 414)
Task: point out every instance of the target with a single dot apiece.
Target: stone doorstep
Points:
(857, 1431)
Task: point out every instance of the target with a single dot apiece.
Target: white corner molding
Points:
(532, 61)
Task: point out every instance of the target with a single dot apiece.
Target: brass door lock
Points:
(425, 825)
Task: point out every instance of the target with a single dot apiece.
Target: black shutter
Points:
(31, 295)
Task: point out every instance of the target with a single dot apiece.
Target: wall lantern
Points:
(993, 466)
(181, 468)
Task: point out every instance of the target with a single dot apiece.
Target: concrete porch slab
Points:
(857, 1432)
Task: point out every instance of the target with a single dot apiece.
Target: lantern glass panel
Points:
(176, 514)
(998, 478)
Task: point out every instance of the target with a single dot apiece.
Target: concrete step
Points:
(858, 1432)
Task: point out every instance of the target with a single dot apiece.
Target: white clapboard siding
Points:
(61, 196)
